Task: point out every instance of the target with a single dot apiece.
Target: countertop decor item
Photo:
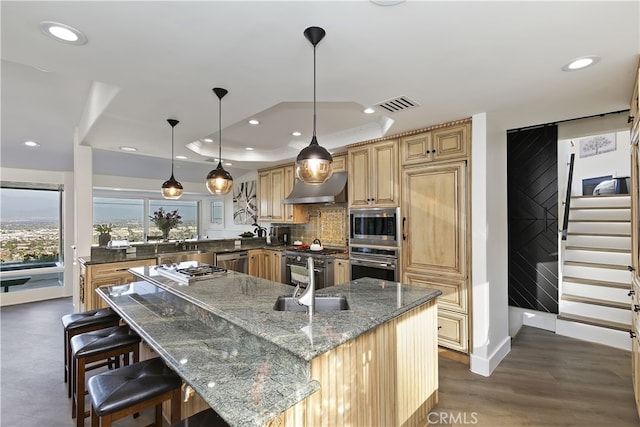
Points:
(171, 188)
(165, 221)
(219, 181)
(104, 235)
(314, 164)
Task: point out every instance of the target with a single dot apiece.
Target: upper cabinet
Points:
(340, 163)
(373, 175)
(273, 186)
(439, 144)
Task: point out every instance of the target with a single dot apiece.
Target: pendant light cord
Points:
(314, 90)
(172, 127)
(220, 130)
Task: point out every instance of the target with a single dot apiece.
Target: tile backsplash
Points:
(327, 223)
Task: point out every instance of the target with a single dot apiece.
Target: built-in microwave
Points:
(374, 226)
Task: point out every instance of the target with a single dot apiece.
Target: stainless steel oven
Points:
(322, 262)
(374, 226)
(377, 262)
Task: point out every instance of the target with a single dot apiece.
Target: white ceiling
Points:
(148, 61)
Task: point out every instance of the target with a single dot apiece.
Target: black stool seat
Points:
(97, 342)
(115, 390)
(206, 418)
(91, 317)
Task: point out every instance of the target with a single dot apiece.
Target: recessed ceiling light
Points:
(249, 148)
(63, 33)
(296, 133)
(387, 2)
(368, 111)
(228, 164)
(208, 140)
(580, 63)
(181, 157)
(254, 122)
(31, 144)
(128, 149)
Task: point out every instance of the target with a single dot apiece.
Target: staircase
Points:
(594, 301)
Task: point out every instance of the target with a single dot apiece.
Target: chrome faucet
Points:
(308, 296)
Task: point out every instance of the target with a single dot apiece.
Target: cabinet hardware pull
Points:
(636, 308)
(404, 220)
(121, 269)
(631, 292)
(630, 268)
(632, 334)
(630, 119)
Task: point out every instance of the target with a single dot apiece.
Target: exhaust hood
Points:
(334, 190)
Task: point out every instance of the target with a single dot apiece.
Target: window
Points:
(130, 217)
(31, 234)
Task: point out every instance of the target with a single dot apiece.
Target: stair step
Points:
(602, 200)
(590, 248)
(596, 265)
(596, 301)
(571, 208)
(606, 293)
(601, 234)
(600, 227)
(599, 241)
(604, 335)
(600, 214)
(592, 282)
(628, 221)
(593, 271)
(595, 322)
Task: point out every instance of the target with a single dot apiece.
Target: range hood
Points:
(332, 191)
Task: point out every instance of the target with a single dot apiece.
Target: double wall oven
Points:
(322, 262)
(374, 243)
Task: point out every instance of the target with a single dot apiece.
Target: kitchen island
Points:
(374, 364)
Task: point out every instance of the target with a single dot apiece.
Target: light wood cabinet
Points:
(92, 276)
(635, 240)
(446, 143)
(266, 264)
(436, 220)
(341, 271)
(273, 186)
(255, 262)
(340, 163)
(373, 175)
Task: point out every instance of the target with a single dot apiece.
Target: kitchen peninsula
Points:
(373, 364)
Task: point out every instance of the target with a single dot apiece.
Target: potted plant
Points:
(104, 233)
(259, 230)
(165, 221)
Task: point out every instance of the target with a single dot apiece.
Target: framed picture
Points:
(244, 203)
(598, 144)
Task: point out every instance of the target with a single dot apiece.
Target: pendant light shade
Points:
(314, 164)
(171, 188)
(219, 181)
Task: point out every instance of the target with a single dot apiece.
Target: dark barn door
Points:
(532, 191)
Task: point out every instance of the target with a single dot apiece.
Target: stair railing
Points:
(567, 201)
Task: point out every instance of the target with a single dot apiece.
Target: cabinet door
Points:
(450, 142)
(340, 163)
(254, 262)
(435, 217)
(266, 270)
(452, 330)
(264, 196)
(416, 148)
(277, 195)
(454, 292)
(384, 173)
(296, 214)
(359, 179)
(342, 271)
(276, 266)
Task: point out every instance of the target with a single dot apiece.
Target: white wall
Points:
(490, 332)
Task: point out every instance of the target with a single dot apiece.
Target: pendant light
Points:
(314, 164)
(172, 189)
(219, 181)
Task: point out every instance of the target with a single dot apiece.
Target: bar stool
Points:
(98, 346)
(79, 323)
(206, 418)
(130, 389)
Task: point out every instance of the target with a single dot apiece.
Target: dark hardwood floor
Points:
(546, 380)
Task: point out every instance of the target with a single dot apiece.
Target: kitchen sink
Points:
(204, 257)
(323, 304)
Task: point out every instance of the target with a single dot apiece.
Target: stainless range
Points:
(322, 261)
(189, 272)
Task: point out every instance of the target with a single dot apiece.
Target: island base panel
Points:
(387, 377)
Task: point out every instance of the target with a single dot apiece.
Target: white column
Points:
(83, 207)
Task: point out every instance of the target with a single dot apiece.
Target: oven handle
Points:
(374, 263)
(315, 269)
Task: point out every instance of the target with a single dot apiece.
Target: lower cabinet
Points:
(341, 271)
(92, 276)
(255, 261)
(266, 264)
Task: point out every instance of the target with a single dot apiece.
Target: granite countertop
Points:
(246, 360)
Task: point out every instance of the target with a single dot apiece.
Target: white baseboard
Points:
(485, 366)
(537, 319)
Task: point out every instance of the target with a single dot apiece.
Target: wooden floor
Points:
(546, 380)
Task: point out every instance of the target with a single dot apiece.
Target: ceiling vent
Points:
(400, 103)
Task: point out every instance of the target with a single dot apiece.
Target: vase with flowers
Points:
(165, 221)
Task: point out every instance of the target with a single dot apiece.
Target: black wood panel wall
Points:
(532, 191)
